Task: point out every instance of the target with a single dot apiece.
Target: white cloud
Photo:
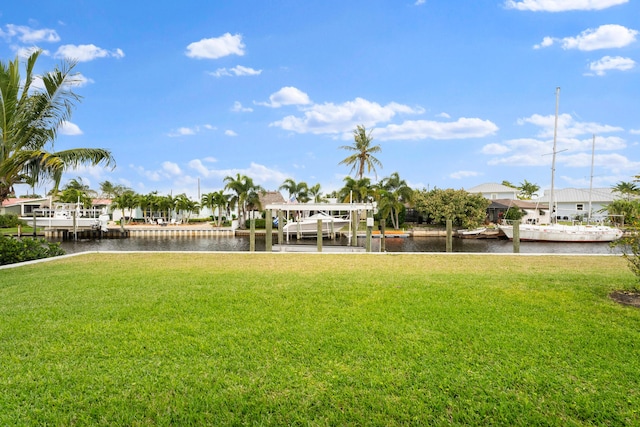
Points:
(29, 35)
(427, 129)
(419, 2)
(604, 37)
(443, 116)
(567, 126)
(634, 131)
(463, 174)
(238, 108)
(332, 118)
(171, 168)
(561, 5)
(260, 174)
(68, 128)
(218, 47)
(287, 96)
(188, 131)
(86, 52)
(238, 70)
(607, 63)
(229, 132)
(183, 131)
(495, 149)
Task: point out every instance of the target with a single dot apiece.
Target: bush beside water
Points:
(14, 250)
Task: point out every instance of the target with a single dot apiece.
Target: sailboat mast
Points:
(593, 155)
(553, 161)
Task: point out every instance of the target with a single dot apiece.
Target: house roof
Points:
(522, 204)
(271, 197)
(15, 201)
(492, 187)
(571, 195)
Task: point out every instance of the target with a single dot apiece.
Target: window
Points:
(580, 207)
(494, 196)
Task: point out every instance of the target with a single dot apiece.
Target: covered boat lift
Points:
(368, 209)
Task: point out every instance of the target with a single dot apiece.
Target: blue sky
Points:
(456, 93)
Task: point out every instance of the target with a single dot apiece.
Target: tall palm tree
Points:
(356, 190)
(246, 194)
(393, 195)
(627, 189)
(362, 153)
(297, 191)
(29, 121)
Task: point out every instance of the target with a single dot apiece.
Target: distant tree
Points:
(185, 206)
(362, 153)
(393, 194)
(315, 194)
(626, 189)
(30, 118)
(624, 211)
(527, 190)
(217, 200)
(514, 214)
(356, 190)
(462, 208)
(77, 191)
(298, 191)
(246, 194)
(125, 201)
(508, 184)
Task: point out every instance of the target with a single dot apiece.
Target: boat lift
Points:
(368, 208)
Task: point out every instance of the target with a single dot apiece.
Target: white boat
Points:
(66, 215)
(309, 225)
(557, 232)
(471, 232)
(564, 233)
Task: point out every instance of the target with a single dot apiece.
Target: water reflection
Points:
(414, 244)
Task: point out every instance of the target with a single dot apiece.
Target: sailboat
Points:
(555, 232)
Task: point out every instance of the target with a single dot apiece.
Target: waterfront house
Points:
(494, 191)
(573, 203)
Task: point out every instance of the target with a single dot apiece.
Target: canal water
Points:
(408, 244)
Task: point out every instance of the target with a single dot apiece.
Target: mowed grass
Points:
(318, 339)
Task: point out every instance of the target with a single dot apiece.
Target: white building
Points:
(494, 191)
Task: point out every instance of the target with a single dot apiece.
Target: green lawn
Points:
(318, 339)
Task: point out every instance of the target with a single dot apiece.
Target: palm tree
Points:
(186, 206)
(394, 193)
(77, 191)
(315, 194)
(527, 190)
(216, 201)
(246, 194)
(363, 153)
(124, 201)
(627, 189)
(356, 190)
(29, 122)
(297, 191)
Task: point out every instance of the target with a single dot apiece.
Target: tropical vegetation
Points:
(32, 110)
(363, 153)
(464, 209)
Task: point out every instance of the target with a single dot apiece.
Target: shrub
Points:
(10, 221)
(14, 250)
(260, 224)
